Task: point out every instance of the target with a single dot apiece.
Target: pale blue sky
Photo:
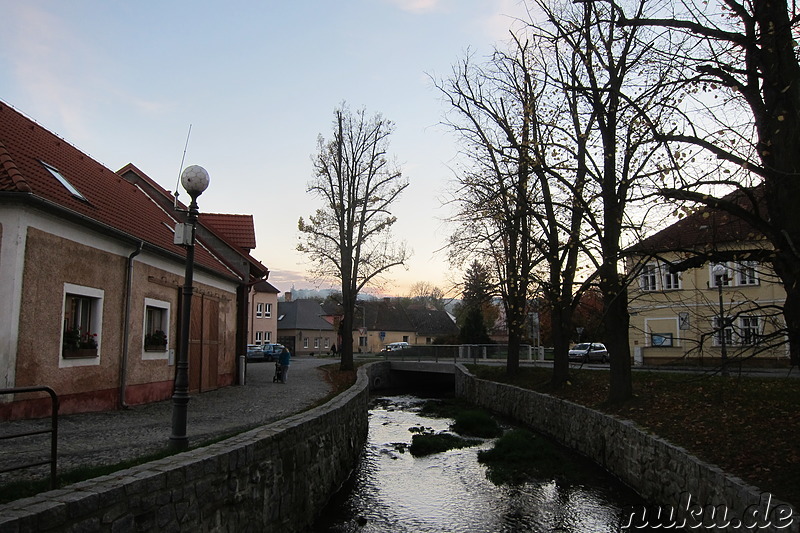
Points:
(258, 81)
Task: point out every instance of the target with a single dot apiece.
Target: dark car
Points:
(586, 352)
(255, 352)
(264, 352)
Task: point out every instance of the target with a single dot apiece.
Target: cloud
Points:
(417, 6)
(508, 15)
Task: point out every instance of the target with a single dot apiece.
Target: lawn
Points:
(746, 426)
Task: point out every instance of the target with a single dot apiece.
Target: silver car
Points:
(586, 352)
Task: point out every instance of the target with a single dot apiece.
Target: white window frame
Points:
(166, 307)
(268, 310)
(96, 324)
(305, 343)
(648, 277)
(267, 336)
(752, 324)
(728, 332)
(747, 273)
(259, 310)
(316, 343)
(259, 337)
(670, 281)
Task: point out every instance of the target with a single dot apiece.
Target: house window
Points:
(268, 336)
(327, 343)
(648, 277)
(259, 310)
(305, 342)
(259, 337)
(671, 280)
(268, 311)
(749, 330)
(362, 342)
(661, 339)
(405, 338)
(719, 279)
(81, 325)
(156, 326)
(316, 343)
(747, 273)
(719, 332)
(64, 181)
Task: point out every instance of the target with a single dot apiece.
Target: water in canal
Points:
(393, 491)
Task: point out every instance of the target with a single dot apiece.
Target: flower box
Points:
(155, 347)
(78, 353)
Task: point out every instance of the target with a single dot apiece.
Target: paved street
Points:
(91, 439)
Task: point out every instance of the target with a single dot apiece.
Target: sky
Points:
(257, 81)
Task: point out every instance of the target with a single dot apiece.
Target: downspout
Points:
(123, 370)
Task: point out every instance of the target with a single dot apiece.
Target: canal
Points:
(394, 491)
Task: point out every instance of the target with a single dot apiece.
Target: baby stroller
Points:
(277, 377)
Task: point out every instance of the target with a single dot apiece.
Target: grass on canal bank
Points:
(749, 427)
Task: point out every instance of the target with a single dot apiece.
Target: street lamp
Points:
(720, 276)
(195, 180)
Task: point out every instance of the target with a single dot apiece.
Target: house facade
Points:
(380, 322)
(302, 327)
(263, 313)
(90, 282)
(688, 305)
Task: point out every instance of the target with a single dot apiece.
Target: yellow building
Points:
(702, 291)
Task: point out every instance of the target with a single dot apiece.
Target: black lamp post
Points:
(721, 276)
(195, 180)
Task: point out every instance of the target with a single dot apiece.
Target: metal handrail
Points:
(53, 432)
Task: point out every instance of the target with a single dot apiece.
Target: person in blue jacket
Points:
(284, 359)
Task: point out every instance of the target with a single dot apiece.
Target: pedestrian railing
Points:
(476, 353)
(53, 431)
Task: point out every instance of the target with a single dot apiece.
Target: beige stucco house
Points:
(687, 307)
(90, 281)
(263, 313)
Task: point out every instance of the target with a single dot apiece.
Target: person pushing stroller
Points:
(282, 366)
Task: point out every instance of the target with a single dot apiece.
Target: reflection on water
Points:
(394, 491)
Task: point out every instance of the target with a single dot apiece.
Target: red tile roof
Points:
(110, 201)
(706, 228)
(238, 230)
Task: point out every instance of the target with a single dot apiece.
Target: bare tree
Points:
(427, 293)
(493, 188)
(746, 52)
(623, 92)
(349, 238)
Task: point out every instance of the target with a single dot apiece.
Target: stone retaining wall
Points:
(659, 471)
(274, 478)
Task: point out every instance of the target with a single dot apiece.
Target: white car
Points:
(396, 346)
(586, 352)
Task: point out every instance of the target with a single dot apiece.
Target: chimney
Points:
(287, 296)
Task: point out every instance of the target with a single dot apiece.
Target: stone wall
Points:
(274, 478)
(659, 471)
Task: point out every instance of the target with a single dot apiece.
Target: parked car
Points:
(263, 352)
(255, 352)
(273, 350)
(586, 352)
(395, 346)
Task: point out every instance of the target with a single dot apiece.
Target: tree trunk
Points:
(616, 322)
(561, 325)
(346, 348)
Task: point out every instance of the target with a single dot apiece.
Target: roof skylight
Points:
(64, 181)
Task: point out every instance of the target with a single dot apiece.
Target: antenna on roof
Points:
(177, 184)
